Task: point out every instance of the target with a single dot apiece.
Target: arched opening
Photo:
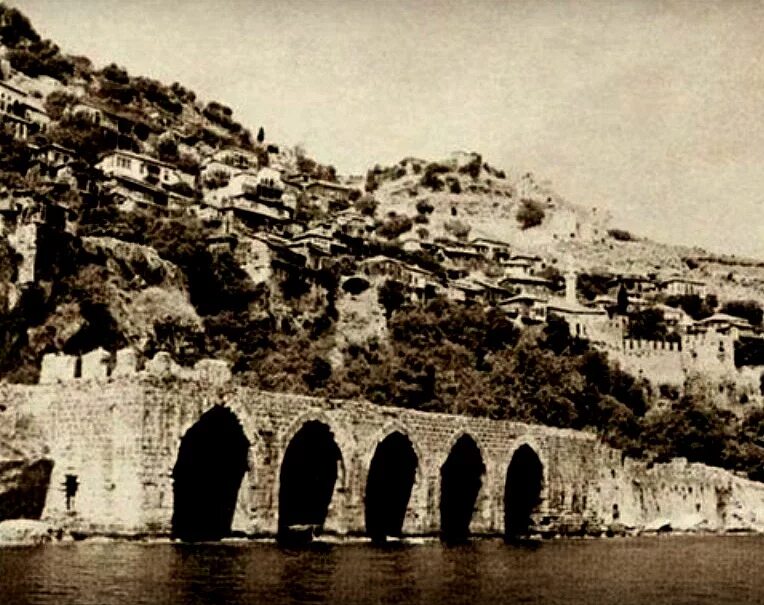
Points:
(308, 474)
(461, 477)
(388, 486)
(212, 460)
(522, 491)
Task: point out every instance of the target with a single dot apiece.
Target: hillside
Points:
(469, 196)
(135, 214)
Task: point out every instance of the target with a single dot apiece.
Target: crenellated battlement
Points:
(102, 365)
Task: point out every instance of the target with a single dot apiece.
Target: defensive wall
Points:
(116, 432)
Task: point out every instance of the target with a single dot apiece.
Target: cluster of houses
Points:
(253, 202)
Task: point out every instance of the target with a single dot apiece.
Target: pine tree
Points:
(261, 135)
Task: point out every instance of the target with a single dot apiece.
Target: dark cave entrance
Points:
(211, 463)
(460, 482)
(308, 474)
(388, 486)
(522, 491)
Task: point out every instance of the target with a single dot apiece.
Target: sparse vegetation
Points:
(621, 235)
(530, 214)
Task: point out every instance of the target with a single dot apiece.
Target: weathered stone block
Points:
(127, 363)
(213, 371)
(57, 368)
(95, 364)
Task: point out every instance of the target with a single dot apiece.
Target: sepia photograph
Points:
(408, 301)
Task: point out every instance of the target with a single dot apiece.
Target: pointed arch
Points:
(310, 468)
(389, 484)
(211, 462)
(461, 479)
(522, 490)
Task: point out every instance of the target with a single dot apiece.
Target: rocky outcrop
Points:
(25, 471)
(25, 532)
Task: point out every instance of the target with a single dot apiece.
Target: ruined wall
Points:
(120, 435)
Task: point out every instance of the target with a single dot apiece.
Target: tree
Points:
(260, 135)
(648, 324)
(391, 296)
(622, 300)
(530, 214)
(746, 309)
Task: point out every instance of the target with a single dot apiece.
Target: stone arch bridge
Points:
(202, 460)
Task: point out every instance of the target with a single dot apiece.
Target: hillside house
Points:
(138, 167)
(317, 247)
(526, 308)
(21, 112)
(464, 290)
(493, 250)
(681, 286)
(53, 160)
(143, 181)
(454, 254)
(636, 285)
(584, 322)
(537, 286)
(517, 267)
(353, 224)
(328, 190)
(420, 283)
(721, 323)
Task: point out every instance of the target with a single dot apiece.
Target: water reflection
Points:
(705, 570)
(307, 574)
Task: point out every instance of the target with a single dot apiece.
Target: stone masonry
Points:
(118, 433)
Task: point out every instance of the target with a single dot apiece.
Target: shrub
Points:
(424, 207)
(395, 226)
(457, 228)
(216, 179)
(430, 178)
(530, 214)
(366, 205)
(473, 167)
(454, 186)
(392, 296)
(57, 102)
(745, 309)
(621, 235)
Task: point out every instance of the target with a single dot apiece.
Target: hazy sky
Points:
(653, 110)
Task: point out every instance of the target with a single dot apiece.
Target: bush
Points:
(693, 305)
(457, 228)
(530, 214)
(430, 178)
(395, 226)
(57, 102)
(41, 59)
(424, 207)
(648, 324)
(621, 235)
(216, 179)
(745, 309)
(473, 167)
(366, 205)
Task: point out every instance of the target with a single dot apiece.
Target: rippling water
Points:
(675, 569)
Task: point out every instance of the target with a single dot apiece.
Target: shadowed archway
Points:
(522, 491)
(388, 486)
(212, 460)
(460, 482)
(308, 473)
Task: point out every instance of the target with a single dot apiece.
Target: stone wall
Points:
(119, 435)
